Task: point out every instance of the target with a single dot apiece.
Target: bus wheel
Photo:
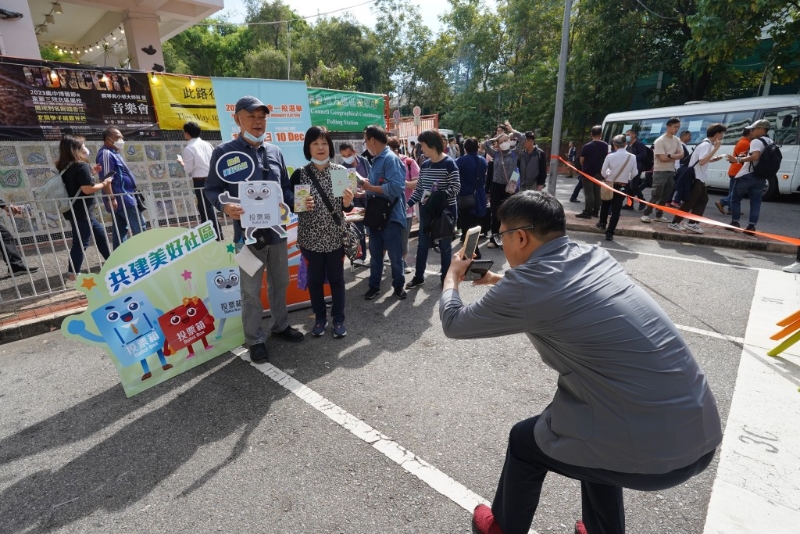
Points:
(771, 189)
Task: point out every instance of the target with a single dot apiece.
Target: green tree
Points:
(723, 32)
(338, 77)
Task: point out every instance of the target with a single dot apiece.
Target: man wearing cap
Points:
(251, 116)
(746, 181)
(532, 167)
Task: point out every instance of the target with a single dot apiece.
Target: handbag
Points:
(465, 202)
(443, 226)
(607, 194)
(351, 235)
(139, 196)
(377, 212)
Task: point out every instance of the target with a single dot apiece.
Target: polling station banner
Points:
(345, 111)
(45, 100)
(289, 116)
(166, 301)
(180, 99)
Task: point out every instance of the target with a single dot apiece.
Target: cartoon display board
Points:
(165, 302)
(262, 201)
(289, 116)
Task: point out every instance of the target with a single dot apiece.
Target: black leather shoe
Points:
(289, 334)
(31, 269)
(583, 216)
(258, 353)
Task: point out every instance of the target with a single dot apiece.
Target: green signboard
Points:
(345, 111)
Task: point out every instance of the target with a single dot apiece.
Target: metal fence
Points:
(43, 237)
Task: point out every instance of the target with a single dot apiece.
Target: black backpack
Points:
(649, 159)
(770, 160)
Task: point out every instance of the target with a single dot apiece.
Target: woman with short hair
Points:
(319, 230)
(438, 173)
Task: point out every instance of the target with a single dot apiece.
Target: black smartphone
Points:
(109, 175)
(478, 269)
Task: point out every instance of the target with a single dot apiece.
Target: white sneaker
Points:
(694, 227)
(675, 226)
(645, 219)
(69, 283)
(661, 219)
(793, 268)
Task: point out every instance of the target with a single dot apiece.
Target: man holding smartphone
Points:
(632, 407)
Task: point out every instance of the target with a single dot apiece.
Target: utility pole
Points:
(555, 148)
(289, 50)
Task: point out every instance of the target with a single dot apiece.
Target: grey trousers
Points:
(591, 195)
(276, 260)
(663, 184)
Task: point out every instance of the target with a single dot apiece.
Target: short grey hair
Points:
(619, 140)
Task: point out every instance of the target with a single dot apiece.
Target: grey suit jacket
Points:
(630, 397)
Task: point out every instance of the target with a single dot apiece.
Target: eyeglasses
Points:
(515, 229)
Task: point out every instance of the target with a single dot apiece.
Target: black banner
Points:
(44, 100)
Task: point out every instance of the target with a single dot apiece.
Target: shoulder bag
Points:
(351, 236)
(608, 194)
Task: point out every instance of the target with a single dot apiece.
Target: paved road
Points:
(388, 414)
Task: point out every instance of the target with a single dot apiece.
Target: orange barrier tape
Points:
(674, 211)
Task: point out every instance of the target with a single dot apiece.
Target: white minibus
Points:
(780, 111)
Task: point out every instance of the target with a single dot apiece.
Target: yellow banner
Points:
(179, 99)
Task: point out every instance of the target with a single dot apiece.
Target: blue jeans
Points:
(390, 240)
(125, 218)
(322, 265)
(753, 186)
(424, 243)
(726, 201)
(82, 231)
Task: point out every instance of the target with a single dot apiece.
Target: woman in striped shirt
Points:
(438, 173)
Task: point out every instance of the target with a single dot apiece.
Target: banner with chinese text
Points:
(345, 111)
(179, 99)
(166, 301)
(45, 100)
(287, 122)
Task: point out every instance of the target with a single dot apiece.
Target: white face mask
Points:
(505, 145)
(84, 150)
(320, 161)
(119, 144)
(349, 160)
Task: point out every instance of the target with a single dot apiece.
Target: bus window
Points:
(651, 129)
(698, 124)
(736, 122)
(784, 125)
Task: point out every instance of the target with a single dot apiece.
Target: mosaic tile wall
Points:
(28, 164)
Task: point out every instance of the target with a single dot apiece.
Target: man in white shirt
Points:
(619, 168)
(698, 197)
(196, 156)
(668, 149)
(746, 182)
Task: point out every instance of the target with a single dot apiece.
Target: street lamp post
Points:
(555, 148)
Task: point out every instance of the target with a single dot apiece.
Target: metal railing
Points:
(43, 239)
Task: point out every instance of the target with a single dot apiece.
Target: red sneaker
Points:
(483, 521)
(580, 528)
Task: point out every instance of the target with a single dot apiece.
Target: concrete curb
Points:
(41, 324)
(744, 243)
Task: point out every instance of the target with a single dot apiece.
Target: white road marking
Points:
(692, 260)
(757, 487)
(410, 462)
(710, 333)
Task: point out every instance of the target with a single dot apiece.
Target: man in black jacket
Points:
(532, 166)
(638, 149)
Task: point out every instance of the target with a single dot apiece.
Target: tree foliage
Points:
(498, 60)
